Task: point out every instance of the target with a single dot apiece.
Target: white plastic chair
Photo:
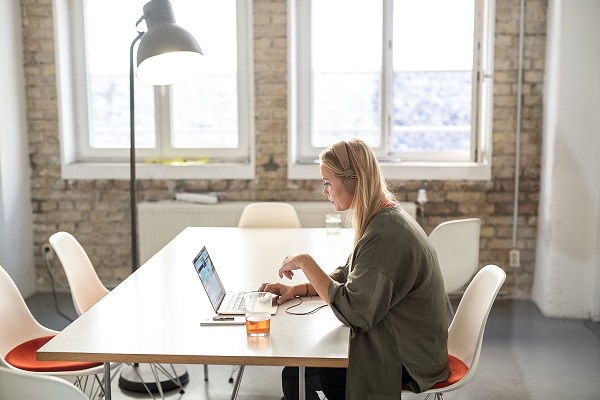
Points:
(22, 335)
(87, 290)
(456, 243)
(465, 335)
(17, 385)
(269, 215)
(86, 287)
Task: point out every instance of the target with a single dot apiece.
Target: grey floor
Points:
(524, 356)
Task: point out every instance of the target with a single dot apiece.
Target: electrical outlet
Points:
(47, 251)
(514, 258)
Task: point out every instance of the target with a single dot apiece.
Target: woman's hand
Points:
(291, 263)
(318, 281)
(285, 292)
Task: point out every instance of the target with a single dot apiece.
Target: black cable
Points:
(312, 311)
(46, 252)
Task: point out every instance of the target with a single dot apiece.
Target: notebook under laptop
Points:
(222, 301)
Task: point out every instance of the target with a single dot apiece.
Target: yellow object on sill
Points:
(177, 161)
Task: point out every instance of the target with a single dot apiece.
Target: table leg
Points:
(107, 389)
(301, 384)
(238, 381)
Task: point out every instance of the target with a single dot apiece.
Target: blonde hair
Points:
(371, 193)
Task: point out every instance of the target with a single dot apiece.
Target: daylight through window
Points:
(410, 77)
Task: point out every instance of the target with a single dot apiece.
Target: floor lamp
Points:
(166, 54)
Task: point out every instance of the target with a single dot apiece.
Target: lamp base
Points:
(140, 378)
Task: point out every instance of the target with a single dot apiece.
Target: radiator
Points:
(161, 221)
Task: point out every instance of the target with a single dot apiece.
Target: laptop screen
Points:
(209, 278)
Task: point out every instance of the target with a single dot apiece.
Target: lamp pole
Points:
(132, 175)
(143, 377)
(162, 39)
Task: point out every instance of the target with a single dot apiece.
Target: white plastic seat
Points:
(17, 385)
(269, 215)
(86, 287)
(87, 290)
(465, 335)
(21, 335)
(456, 243)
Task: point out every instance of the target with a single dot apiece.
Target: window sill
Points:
(410, 171)
(90, 171)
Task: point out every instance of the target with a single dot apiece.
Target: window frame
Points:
(73, 98)
(301, 167)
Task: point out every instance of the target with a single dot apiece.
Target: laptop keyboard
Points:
(236, 302)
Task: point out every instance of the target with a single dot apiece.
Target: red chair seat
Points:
(457, 368)
(24, 357)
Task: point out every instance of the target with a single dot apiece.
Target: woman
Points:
(390, 292)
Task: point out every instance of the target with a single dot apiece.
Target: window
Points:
(412, 78)
(204, 124)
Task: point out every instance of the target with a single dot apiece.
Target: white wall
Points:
(567, 273)
(16, 229)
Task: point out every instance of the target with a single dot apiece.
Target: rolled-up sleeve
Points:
(361, 303)
(379, 274)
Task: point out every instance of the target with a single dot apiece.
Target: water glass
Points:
(258, 313)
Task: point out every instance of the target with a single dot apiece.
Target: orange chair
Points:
(22, 335)
(465, 335)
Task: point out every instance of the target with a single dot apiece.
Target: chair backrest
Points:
(456, 243)
(465, 334)
(269, 215)
(17, 324)
(17, 385)
(86, 287)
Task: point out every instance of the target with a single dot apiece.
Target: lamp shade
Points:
(167, 53)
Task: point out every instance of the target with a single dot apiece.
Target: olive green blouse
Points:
(391, 294)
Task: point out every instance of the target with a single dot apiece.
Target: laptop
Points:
(222, 301)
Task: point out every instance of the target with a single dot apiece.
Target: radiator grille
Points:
(161, 221)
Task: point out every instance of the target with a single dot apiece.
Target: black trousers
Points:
(330, 381)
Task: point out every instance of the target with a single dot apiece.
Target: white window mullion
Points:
(483, 105)
(245, 80)
(163, 108)
(387, 80)
(304, 78)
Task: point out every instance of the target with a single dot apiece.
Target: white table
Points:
(153, 316)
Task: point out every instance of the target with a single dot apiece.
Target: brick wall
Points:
(97, 212)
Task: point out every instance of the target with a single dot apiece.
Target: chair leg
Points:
(171, 375)
(87, 384)
(134, 369)
(153, 368)
(92, 385)
(153, 378)
(238, 381)
(177, 379)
